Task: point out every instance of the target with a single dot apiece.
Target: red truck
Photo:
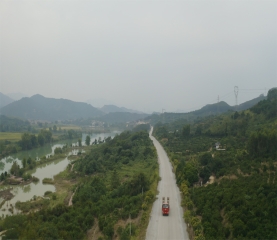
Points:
(165, 206)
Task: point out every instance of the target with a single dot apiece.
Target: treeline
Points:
(29, 141)
(119, 174)
(122, 149)
(8, 124)
(29, 163)
(225, 167)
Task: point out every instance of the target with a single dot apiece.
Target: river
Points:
(48, 170)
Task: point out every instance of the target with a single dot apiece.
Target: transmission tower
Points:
(236, 91)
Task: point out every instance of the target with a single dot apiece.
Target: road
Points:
(170, 227)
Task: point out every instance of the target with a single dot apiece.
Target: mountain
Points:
(17, 96)
(113, 108)
(5, 100)
(39, 107)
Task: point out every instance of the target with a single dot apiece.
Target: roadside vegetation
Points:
(225, 166)
(114, 187)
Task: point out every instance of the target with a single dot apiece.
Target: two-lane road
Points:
(170, 227)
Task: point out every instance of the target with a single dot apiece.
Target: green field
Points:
(10, 136)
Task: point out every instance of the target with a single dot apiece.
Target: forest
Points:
(116, 182)
(225, 166)
(9, 124)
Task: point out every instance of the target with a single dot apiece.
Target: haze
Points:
(145, 55)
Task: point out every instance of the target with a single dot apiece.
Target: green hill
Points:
(207, 110)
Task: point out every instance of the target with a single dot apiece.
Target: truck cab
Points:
(165, 206)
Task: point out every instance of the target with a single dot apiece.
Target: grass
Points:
(63, 188)
(33, 205)
(10, 136)
(48, 181)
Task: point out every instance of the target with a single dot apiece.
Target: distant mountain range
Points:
(209, 109)
(5, 100)
(113, 108)
(41, 108)
(38, 107)
(222, 106)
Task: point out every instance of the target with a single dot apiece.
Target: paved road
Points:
(170, 227)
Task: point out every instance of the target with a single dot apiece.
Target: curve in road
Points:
(170, 227)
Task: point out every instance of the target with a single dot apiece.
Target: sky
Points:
(146, 55)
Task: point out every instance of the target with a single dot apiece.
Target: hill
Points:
(250, 103)
(113, 108)
(5, 100)
(38, 107)
(207, 110)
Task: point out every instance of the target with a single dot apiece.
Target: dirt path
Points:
(72, 167)
(70, 200)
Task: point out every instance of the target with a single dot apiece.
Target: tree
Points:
(198, 130)
(115, 182)
(58, 150)
(88, 140)
(24, 162)
(26, 141)
(15, 169)
(41, 139)
(34, 141)
(186, 131)
(55, 128)
(79, 142)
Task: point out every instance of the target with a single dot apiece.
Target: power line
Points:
(245, 89)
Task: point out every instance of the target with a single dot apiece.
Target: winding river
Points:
(48, 170)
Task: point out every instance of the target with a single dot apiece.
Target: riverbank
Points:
(64, 188)
(19, 180)
(6, 194)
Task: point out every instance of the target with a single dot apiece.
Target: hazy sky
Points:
(145, 55)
